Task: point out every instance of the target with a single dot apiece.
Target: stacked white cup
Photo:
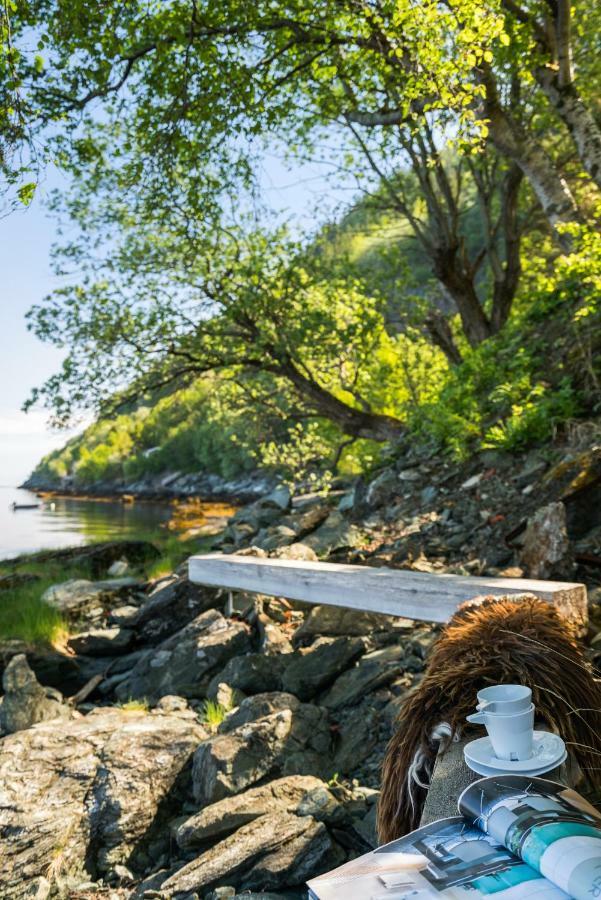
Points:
(507, 712)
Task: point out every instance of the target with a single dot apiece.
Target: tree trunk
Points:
(577, 118)
(354, 422)
(510, 139)
(438, 328)
(460, 286)
(506, 282)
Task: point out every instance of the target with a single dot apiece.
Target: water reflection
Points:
(67, 521)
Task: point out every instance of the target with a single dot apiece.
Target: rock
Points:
(257, 707)
(366, 827)
(337, 621)
(296, 550)
(252, 674)
(88, 795)
(78, 598)
(125, 615)
(357, 738)
(336, 532)
(292, 740)
(280, 497)
(472, 482)
(232, 856)
(546, 549)
(305, 856)
(296, 792)
(119, 568)
(171, 606)
(347, 501)
(382, 488)
(25, 701)
(102, 641)
(171, 703)
(372, 671)
(185, 662)
(313, 668)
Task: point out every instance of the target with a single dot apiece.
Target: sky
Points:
(26, 238)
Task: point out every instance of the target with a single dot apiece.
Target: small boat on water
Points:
(15, 506)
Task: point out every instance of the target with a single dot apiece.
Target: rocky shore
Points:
(163, 486)
(169, 750)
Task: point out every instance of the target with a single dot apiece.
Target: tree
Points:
(167, 309)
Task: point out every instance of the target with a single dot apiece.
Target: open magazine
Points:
(516, 837)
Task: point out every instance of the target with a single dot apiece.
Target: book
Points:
(515, 837)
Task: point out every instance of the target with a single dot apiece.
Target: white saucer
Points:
(549, 751)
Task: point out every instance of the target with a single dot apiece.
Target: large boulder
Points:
(334, 534)
(85, 798)
(313, 668)
(289, 738)
(25, 701)
(546, 548)
(371, 672)
(173, 603)
(235, 857)
(185, 662)
(299, 794)
(335, 621)
(110, 641)
(253, 673)
(81, 599)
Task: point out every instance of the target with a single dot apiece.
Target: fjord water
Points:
(68, 521)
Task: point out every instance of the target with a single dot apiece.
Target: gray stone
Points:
(299, 859)
(102, 641)
(257, 707)
(171, 606)
(373, 671)
(184, 663)
(382, 488)
(336, 532)
(357, 738)
(299, 794)
(313, 668)
(252, 674)
(88, 794)
(336, 621)
(118, 569)
(291, 740)
(25, 701)
(280, 496)
(296, 550)
(237, 853)
(125, 615)
(77, 597)
(546, 548)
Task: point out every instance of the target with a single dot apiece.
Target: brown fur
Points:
(513, 640)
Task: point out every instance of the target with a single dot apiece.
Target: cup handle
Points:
(476, 718)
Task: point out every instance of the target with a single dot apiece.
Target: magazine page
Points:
(549, 826)
(448, 858)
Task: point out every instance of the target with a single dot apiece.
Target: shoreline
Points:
(163, 488)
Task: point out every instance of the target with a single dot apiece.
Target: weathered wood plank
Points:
(414, 595)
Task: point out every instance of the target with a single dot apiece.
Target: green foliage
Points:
(134, 705)
(214, 713)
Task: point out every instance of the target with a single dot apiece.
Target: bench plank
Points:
(398, 592)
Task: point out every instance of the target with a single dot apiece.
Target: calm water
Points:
(65, 521)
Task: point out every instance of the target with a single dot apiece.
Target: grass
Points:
(214, 713)
(131, 705)
(23, 614)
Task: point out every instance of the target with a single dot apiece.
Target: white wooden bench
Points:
(397, 592)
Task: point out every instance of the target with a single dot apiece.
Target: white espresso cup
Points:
(504, 698)
(511, 735)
